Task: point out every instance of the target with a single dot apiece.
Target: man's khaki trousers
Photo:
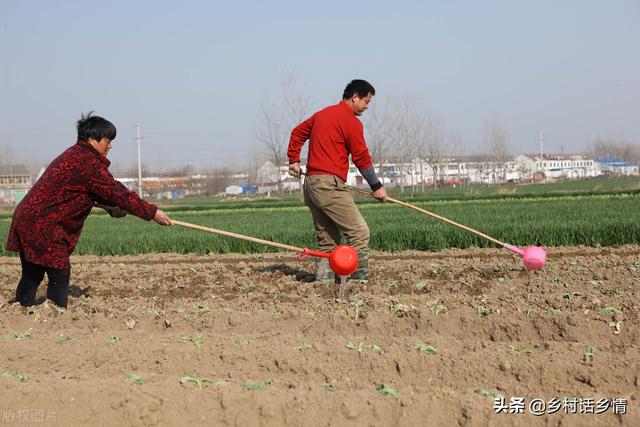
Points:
(334, 211)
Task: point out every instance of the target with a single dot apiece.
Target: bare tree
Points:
(278, 118)
(496, 144)
(603, 148)
(433, 145)
(455, 149)
(273, 134)
(296, 96)
(377, 129)
(7, 155)
(218, 180)
(405, 122)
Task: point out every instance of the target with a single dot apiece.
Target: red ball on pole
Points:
(343, 260)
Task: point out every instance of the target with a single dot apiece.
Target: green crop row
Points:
(584, 220)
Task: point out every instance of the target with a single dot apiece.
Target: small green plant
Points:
(329, 387)
(62, 340)
(527, 311)
(385, 390)
(201, 308)
(558, 282)
(113, 339)
(305, 346)
(439, 308)
(376, 348)
(483, 311)
(257, 386)
(487, 393)
(193, 378)
(15, 375)
(611, 310)
(243, 342)
(515, 350)
(465, 282)
(425, 348)
(221, 382)
(357, 305)
(195, 339)
(400, 309)
(30, 310)
(570, 295)
(590, 353)
(17, 336)
(421, 286)
(137, 379)
(552, 310)
(351, 346)
(156, 312)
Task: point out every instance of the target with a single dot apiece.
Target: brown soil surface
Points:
(498, 330)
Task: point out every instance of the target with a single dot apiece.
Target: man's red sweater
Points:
(333, 134)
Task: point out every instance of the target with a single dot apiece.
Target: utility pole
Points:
(138, 139)
(541, 154)
(540, 143)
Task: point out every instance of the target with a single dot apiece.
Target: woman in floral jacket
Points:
(47, 223)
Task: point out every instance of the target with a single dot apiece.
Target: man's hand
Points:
(294, 169)
(380, 194)
(162, 218)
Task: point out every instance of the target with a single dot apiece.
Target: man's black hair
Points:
(362, 88)
(95, 127)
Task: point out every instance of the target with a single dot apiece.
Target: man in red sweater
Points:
(334, 134)
(47, 223)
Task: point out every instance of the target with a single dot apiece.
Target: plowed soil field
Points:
(430, 339)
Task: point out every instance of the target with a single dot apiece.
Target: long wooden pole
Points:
(238, 236)
(436, 216)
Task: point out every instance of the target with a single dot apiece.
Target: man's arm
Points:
(299, 135)
(377, 189)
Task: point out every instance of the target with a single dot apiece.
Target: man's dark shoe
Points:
(324, 273)
(362, 272)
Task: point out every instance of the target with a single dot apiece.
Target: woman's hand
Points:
(162, 218)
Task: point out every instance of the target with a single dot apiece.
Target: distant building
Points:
(233, 190)
(15, 182)
(554, 166)
(268, 176)
(616, 167)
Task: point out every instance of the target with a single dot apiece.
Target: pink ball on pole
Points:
(534, 257)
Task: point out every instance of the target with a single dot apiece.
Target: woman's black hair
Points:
(95, 127)
(362, 88)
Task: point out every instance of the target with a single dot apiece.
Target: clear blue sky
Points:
(192, 73)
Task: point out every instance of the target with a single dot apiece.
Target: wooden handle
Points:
(237, 236)
(441, 218)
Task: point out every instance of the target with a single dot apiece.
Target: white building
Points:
(553, 166)
(233, 190)
(15, 182)
(616, 167)
(267, 178)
